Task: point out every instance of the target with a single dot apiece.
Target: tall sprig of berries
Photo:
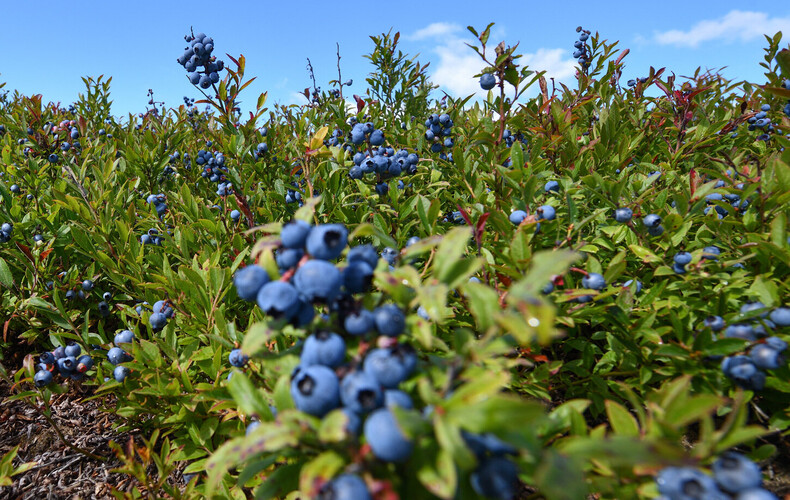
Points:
(202, 68)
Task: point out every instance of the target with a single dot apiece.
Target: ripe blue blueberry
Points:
(552, 186)
(87, 285)
(390, 320)
(781, 316)
(495, 477)
(237, 358)
(318, 281)
(740, 331)
(628, 283)
(546, 212)
(43, 378)
(73, 349)
(345, 487)
(386, 440)
(157, 321)
(123, 337)
(327, 241)
(487, 81)
(323, 348)
(360, 392)
(359, 322)
(594, 281)
(116, 356)
(315, 389)
(395, 397)
(687, 483)
(517, 216)
(67, 365)
(357, 277)
(651, 220)
(735, 472)
(249, 281)
(715, 323)
(623, 215)
(766, 357)
(391, 366)
(682, 258)
(84, 363)
(279, 299)
(120, 373)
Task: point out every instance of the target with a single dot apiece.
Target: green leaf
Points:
(6, 278)
(318, 471)
(436, 471)
(450, 252)
(483, 303)
(248, 397)
(543, 266)
(621, 420)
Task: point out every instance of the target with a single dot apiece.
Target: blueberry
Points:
(495, 477)
(682, 258)
(360, 392)
(327, 241)
(391, 366)
(345, 487)
(294, 234)
(711, 253)
(72, 349)
(157, 321)
(735, 472)
(687, 483)
(237, 358)
(235, 215)
(42, 378)
(315, 390)
(249, 281)
(487, 81)
(359, 322)
(120, 373)
(252, 426)
(47, 358)
(84, 363)
(754, 306)
(655, 230)
(288, 258)
(594, 281)
(323, 348)
(386, 440)
(638, 285)
(67, 365)
(781, 316)
(389, 320)
(279, 299)
(395, 397)
(552, 186)
(546, 212)
(318, 281)
(715, 323)
(623, 215)
(116, 356)
(357, 277)
(766, 357)
(651, 220)
(87, 285)
(740, 331)
(775, 342)
(123, 337)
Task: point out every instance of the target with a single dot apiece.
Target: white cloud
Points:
(735, 25)
(434, 30)
(457, 63)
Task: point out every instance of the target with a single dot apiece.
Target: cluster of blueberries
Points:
(766, 352)
(386, 163)
(161, 312)
(262, 148)
(582, 52)
(5, 232)
(116, 355)
(65, 361)
(151, 237)
(632, 82)
(197, 56)
(762, 122)
(367, 389)
(215, 170)
(734, 477)
(158, 201)
(438, 133)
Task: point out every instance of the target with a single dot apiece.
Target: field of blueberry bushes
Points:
(581, 294)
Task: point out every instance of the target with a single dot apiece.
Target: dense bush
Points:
(549, 296)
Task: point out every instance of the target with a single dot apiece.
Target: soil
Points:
(61, 472)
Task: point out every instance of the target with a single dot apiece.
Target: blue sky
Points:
(48, 48)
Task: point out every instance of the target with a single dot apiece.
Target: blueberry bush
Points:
(584, 292)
